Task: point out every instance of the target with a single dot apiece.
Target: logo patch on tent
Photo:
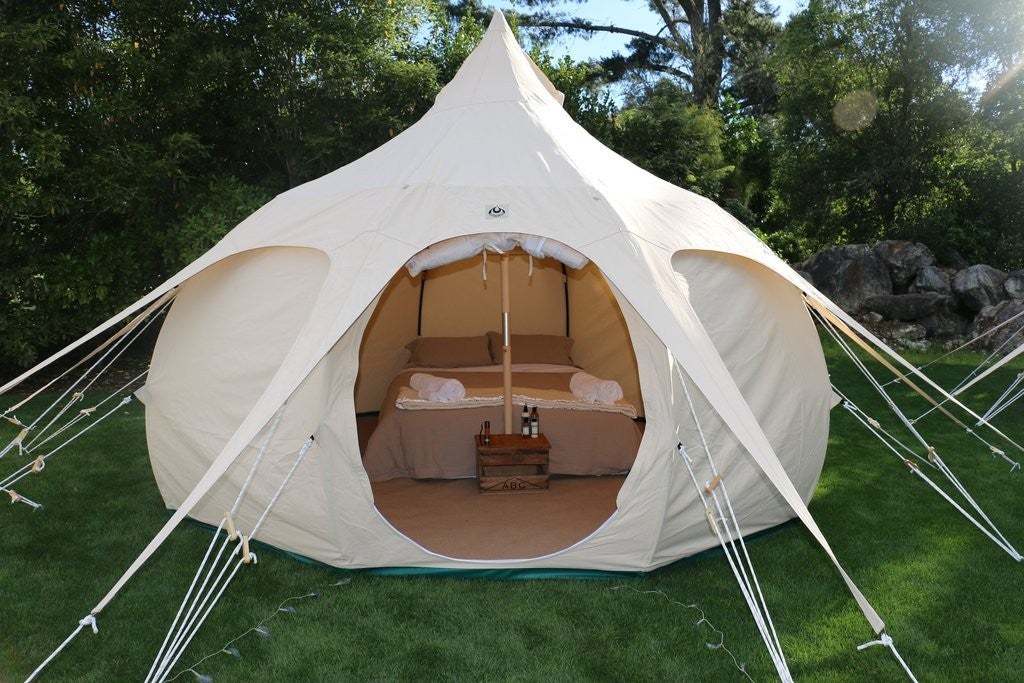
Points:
(497, 211)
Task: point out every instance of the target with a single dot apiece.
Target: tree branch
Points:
(669, 23)
(585, 26)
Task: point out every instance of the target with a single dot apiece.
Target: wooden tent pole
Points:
(506, 342)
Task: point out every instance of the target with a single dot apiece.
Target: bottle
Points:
(524, 428)
(486, 433)
(534, 423)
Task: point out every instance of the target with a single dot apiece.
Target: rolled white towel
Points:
(434, 388)
(586, 387)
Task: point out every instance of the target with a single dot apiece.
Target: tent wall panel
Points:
(391, 327)
(760, 327)
(457, 301)
(603, 343)
(225, 336)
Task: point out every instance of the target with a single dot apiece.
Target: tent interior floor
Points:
(452, 518)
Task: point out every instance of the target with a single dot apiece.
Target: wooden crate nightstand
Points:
(512, 463)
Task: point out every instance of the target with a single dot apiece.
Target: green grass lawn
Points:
(950, 597)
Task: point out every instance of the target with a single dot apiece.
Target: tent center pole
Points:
(506, 343)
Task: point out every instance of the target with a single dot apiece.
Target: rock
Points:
(954, 259)
(872, 318)
(849, 274)
(1014, 284)
(903, 335)
(903, 259)
(979, 286)
(944, 324)
(908, 306)
(1007, 337)
(931, 279)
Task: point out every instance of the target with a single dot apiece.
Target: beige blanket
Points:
(439, 444)
(408, 399)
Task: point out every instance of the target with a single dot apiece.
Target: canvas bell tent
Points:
(296, 321)
(296, 316)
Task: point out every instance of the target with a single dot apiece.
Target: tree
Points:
(137, 132)
(877, 136)
(674, 139)
(701, 45)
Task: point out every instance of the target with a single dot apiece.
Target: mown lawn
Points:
(950, 597)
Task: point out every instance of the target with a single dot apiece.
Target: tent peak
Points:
(498, 70)
(498, 22)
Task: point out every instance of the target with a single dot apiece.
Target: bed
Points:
(423, 439)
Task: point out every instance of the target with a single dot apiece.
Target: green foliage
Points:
(750, 33)
(209, 215)
(140, 131)
(453, 35)
(791, 246)
(674, 139)
(700, 45)
(878, 137)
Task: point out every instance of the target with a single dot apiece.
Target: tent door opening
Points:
(446, 323)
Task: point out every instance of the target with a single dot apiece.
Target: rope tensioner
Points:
(986, 526)
(18, 498)
(998, 452)
(16, 442)
(13, 419)
(39, 465)
(248, 557)
(712, 521)
(219, 571)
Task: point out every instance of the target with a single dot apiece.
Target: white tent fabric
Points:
(459, 248)
(275, 314)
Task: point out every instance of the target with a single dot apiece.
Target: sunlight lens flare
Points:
(1004, 79)
(855, 111)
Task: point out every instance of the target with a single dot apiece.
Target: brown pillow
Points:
(449, 352)
(550, 349)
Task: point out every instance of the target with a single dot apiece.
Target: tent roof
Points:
(497, 130)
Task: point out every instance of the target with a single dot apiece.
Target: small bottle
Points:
(524, 428)
(486, 436)
(534, 423)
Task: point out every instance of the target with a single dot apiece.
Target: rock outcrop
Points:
(898, 289)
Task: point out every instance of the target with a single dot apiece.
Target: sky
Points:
(632, 14)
